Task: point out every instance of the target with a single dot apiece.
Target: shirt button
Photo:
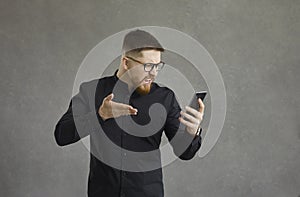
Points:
(124, 154)
(124, 173)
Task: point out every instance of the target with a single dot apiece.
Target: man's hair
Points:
(138, 40)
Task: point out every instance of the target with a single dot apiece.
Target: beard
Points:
(144, 89)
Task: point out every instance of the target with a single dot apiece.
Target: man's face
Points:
(138, 76)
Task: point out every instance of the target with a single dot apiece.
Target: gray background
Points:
(255, 44)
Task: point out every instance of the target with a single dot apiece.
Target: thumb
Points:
(110, 97)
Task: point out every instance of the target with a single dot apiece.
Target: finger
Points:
(109, 97)
(190, 118)
(133, 111)
(122, 106)
(194, 112)
(187, 123)
(128, 112)
(201, 106)
(123, 109)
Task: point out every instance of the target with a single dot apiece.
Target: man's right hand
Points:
(111, 109)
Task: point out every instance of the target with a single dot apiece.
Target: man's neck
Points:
(122, 76)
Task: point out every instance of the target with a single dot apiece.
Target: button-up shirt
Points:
(114, 170)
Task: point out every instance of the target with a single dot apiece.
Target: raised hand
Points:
(111, 109)
(192, 118)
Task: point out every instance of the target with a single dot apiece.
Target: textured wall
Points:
(255, 44)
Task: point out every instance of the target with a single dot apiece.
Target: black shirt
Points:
(114, 173)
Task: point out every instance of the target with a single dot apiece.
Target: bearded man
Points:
(118, 108)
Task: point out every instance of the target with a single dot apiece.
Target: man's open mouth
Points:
(147, 81)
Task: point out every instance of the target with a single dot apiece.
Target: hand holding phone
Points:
(193, 117)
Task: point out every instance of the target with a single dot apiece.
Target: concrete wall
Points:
(255, 44)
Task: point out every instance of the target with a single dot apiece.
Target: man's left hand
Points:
(192, 118)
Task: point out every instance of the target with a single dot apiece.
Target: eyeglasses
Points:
(148, 67)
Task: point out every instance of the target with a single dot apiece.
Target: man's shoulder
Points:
(94, 82)
(91, 86)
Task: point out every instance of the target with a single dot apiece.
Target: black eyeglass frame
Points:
(147, 64)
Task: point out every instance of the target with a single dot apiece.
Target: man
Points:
(118, 108)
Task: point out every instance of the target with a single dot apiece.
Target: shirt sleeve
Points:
(78, 121)
(184, 144)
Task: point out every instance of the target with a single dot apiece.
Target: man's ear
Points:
(124, 63)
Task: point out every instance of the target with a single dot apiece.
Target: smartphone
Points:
(194, 103)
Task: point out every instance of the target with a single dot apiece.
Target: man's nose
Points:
(153, 71)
